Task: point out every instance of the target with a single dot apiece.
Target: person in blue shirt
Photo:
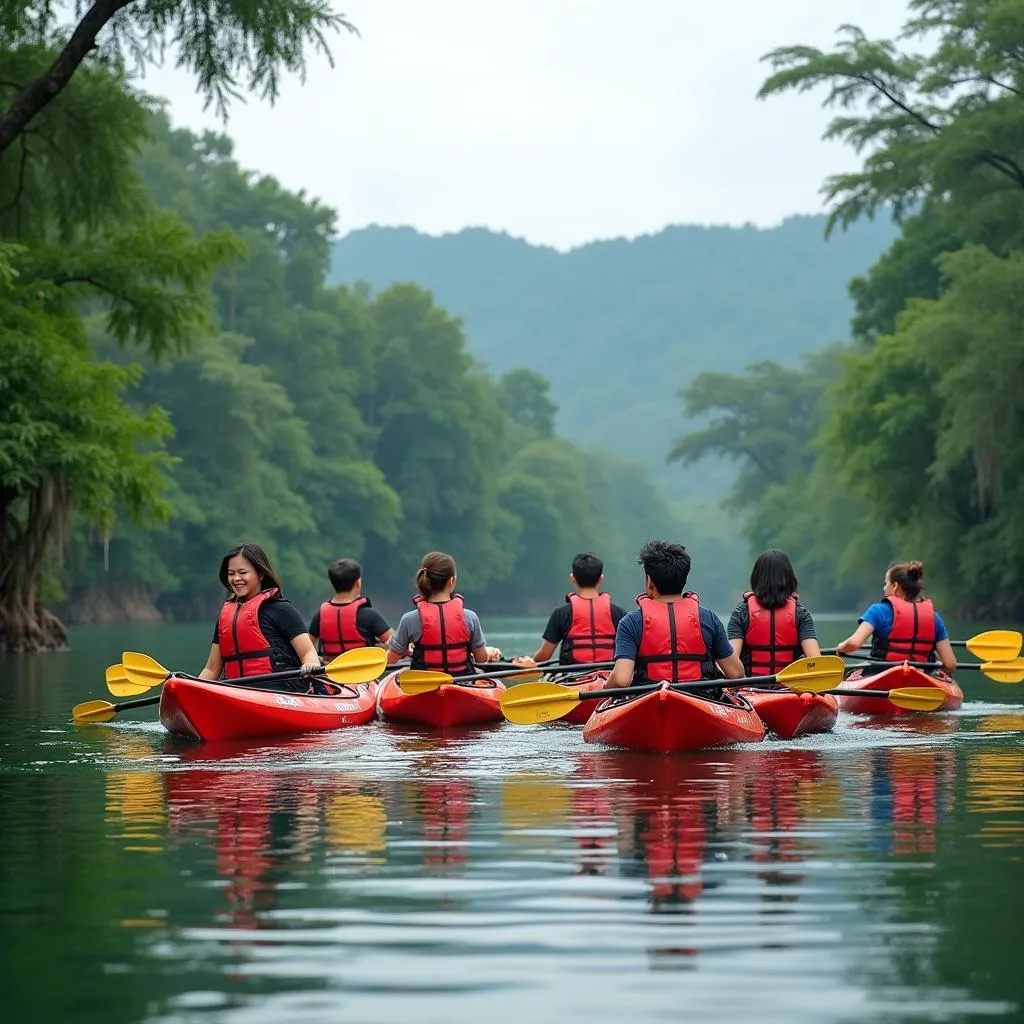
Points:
(904, 625)
(670, 636)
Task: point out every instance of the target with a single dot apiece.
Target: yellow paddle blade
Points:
(118, 684)
(917, 698)
(415, 680)
(357, 666)
(996, 645)
(1004, 671)
(813, 675)
(93, 711)
(143, 671)
(531, 703)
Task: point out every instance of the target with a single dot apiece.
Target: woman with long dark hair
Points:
(258, 630)
(769, 628)
(443, 633)
(904, 625)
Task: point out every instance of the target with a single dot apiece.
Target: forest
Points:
(179, 371)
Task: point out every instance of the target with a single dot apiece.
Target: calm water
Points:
(378, 876)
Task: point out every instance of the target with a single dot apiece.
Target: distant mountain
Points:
(620, 326)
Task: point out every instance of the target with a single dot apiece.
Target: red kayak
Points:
(582, 684)
(667, 720)
(788, 714)
(467, 703)
(216, 711)
(902, 674)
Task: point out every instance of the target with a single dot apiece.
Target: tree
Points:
(220, 43)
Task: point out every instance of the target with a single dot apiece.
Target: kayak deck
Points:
(787, 714)
(901, 674)
(450, 705)
(667, 720)
(215, 711)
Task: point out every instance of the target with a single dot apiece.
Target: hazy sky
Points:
(559, 121)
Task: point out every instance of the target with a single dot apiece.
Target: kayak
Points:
(467, 703)
(581, 684)
(902, 674)
(788, 714)
(216, 711)
(668, 720)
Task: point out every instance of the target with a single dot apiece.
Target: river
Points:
(379, 875)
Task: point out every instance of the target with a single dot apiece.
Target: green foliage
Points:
(919, 451)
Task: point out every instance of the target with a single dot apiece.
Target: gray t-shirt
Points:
(410, 629)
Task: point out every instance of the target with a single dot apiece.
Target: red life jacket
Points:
(591, 635)
(672, 645)
(771, 639)
(912, 637)
(338, 632)
(244, 648)
(443, 645)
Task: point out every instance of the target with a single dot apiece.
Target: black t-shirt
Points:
(370, 624)
(281, 623)
(560, 621)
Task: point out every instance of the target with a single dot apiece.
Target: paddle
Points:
(414, 680)
(992, 645)
(1008, 672)
(913, 698)
(532, 703)
(103, 710)
(356, 666)
(118, 685)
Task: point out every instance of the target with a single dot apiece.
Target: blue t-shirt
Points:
(880, 617)
(630, 631)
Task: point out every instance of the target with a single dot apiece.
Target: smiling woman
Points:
(258, 630)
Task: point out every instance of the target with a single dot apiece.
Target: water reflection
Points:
(995, 790)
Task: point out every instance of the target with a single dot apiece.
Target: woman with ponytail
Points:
(444, 634)
(904, 625)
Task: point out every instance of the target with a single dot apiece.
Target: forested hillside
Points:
(619, 327)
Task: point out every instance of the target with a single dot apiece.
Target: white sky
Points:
(559, 121)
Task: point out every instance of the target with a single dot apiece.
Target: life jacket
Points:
(591, 635)
(338, 632)
(672, 645)
(243, 647)
(912, 637)
(771, 641)
(443, 645)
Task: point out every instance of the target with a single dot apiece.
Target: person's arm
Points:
(737, 630)
(944, 649)
(856, 639)
(306, 650)
(214, 664)
(554, 632)
(806, 633)
(543, 653)
(477, 644)
(402, 638)
(628, 634)
(721, 648)
(376, 627)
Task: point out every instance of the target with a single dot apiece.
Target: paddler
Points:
(348, 620)
(258, 630)
(904, 625)
(670, 636)
(583, 626)
(442, 633)
(769, 629)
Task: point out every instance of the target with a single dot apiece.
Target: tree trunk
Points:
(35, 628)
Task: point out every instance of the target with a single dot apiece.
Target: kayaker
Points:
(442, 633)
(258, 630)
(348, 620)
(769, 628)
(583, 626)
(670, 636)
(904, 625)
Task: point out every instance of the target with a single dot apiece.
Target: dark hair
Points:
(667, 564)
(909, 576)
(587, 569)
(436, 569)
(258, 557)
(344, 574)
(772, 579)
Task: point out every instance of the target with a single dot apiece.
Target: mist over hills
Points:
(619, 326)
